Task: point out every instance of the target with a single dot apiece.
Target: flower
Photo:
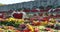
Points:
(11, 19)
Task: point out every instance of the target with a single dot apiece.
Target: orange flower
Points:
(17, 31)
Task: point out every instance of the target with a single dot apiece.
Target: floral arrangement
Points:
(12, 25)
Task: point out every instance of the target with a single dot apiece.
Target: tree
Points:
(1, 4)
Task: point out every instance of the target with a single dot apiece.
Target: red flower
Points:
(18, 16)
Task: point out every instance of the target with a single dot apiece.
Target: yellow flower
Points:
(51, 23)
(30, 27)
(0, 29)
(19, 21)
(41, 27)
(11, 19)
(52, 20)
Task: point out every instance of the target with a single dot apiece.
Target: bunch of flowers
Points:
(12, 22)
(8, 29)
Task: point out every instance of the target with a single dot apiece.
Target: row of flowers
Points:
(12, 25)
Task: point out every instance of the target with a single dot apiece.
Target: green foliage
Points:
(1, 4)
(9, 23)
